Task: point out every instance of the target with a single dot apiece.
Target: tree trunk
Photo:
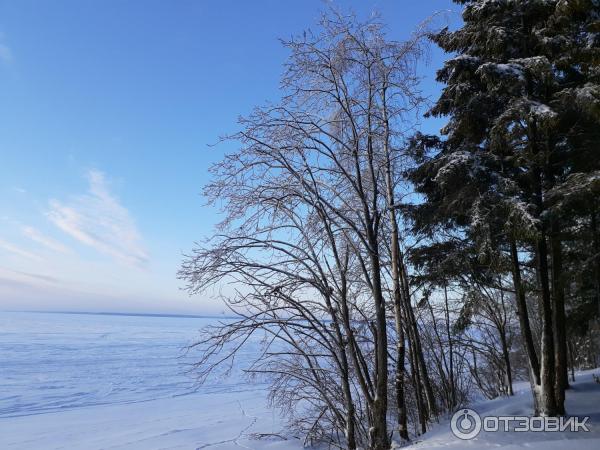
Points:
(350, 430)
(596, 247)
(400, 398)
(350, 346)
(418, 350)
(345, 378)
(416, 378)
(379, 434)
(396, 279)
(501, 326)
(400, 369)
(400, 346)
(559, 320)
(571, 360)
(507, 365)
(450, 351)
(546, 388)
(524, 324)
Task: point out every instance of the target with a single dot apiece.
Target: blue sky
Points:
(106, 112)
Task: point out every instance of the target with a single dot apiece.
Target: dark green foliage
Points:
(519, 158)
(522, 142)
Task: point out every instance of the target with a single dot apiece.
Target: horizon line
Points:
(133, 314)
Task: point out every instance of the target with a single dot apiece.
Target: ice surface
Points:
(64, 361)
(79, 381)
(117, 382)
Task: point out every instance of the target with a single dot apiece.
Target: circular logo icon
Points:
(465, 424)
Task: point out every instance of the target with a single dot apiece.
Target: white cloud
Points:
(46, 241)
(98, 220)
(15, 250)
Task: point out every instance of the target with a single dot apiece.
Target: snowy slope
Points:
(583, 399)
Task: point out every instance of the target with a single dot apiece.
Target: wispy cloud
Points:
(36, 236)
(18, 275)
(15, 250)
(98, 220)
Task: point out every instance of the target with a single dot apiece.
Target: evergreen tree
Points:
(519, 166)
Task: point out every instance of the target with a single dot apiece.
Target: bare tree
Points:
(310, 218)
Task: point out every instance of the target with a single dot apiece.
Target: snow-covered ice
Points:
(77, 381)
(74, 381)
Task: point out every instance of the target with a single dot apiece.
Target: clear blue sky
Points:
(106, 110)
